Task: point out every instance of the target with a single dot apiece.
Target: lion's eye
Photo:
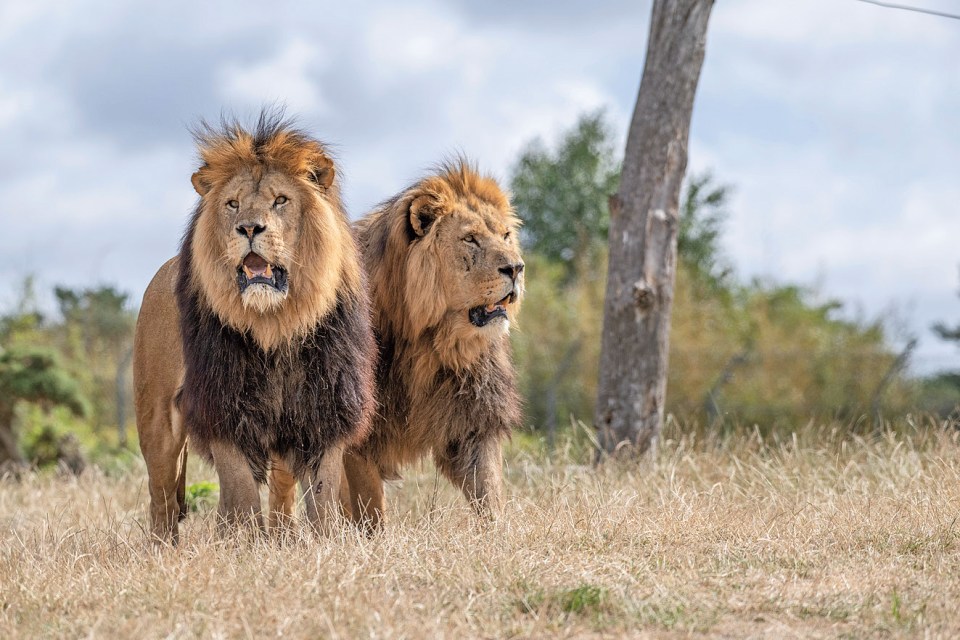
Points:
(233, 204)
(471, 240)
(280, 200)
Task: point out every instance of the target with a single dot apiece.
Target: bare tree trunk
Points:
(643, 231)
(710, 405)
(896, 367)
(9, 453)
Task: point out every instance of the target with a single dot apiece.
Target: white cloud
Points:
(289, 77)
(13, 105)
(404, 41)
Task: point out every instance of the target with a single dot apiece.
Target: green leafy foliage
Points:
(34, 374)
(47, 446)
(562, 194)
(79, 361)
(202, 496)
(770, 355)
(702, 214)
(557, 342)
(96, 335)
(50, 437)
(940, 394)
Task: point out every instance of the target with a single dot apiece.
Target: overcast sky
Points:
(837, 121)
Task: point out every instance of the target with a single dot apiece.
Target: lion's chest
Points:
(291, 403)
(450, 407)
(272, 390)
(275, 398)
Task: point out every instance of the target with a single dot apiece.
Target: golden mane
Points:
(439, 256)
(323, 259)
(404, 275)
(460, 181)
(275, 143)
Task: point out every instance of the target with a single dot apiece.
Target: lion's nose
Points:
(250, 229)
(512, 270)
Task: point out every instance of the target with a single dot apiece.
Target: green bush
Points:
(202, 496)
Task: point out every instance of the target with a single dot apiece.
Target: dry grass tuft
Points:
(825, 537)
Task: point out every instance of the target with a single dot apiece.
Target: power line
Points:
(931, 12)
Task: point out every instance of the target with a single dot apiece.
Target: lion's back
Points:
(157, 354)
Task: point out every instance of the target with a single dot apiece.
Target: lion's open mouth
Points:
(484, 314)
(255, 270)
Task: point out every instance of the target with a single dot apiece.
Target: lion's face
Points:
(258, 224)
(481, 268)
(271, 246)
(464, 273)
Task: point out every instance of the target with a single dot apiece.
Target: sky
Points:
(837, 123)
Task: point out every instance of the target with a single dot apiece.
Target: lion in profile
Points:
(446, 281)
(255, 340)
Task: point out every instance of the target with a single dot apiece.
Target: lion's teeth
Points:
(247, 272)
(269, 272)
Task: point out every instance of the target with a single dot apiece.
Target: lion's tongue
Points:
(255, 265)
(490, 308)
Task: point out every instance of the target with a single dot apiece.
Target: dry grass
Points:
(834, 537)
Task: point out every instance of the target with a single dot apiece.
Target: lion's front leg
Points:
(321, 491)
(476, 466)
(283, 488)
(239, 492)
(367, 504)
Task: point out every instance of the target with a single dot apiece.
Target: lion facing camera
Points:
(255, 342)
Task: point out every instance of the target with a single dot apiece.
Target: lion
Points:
(446, 282)
(255, 342)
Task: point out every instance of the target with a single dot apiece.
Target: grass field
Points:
(817, 536)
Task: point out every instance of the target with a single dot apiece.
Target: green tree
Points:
(562, 197)
(703, 212)
(562, 194)
(24, 324)
(32, 374)
(100, 313)
(97, 335)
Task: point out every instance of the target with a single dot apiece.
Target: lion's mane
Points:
(290, 383)
(436, 386)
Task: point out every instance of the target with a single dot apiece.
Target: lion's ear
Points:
(200, 184)
(322, 172)
(424, 210)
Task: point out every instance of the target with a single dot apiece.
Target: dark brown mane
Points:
(298, 397)
(294, 402)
